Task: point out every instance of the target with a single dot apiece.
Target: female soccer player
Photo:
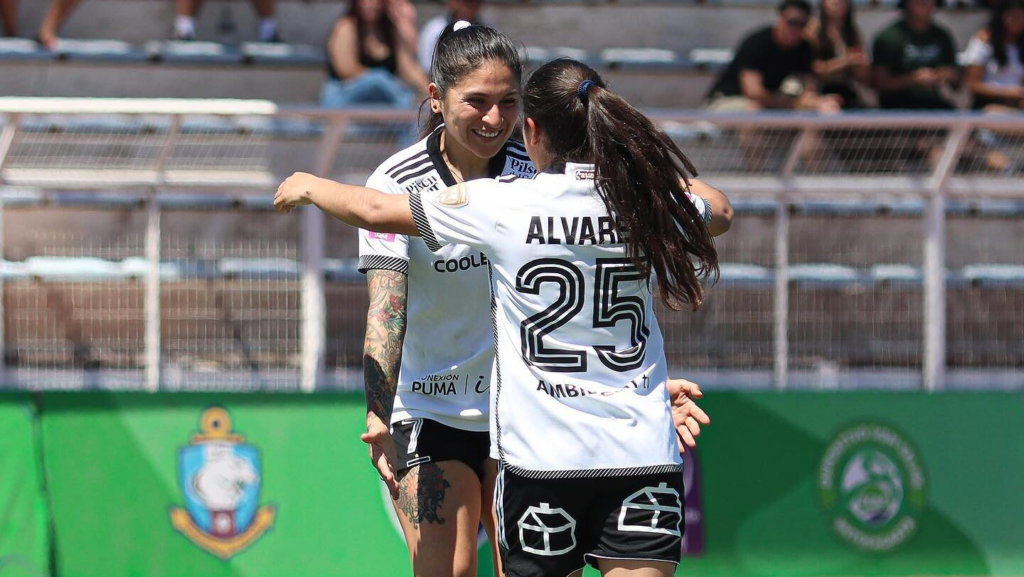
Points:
(579, 374)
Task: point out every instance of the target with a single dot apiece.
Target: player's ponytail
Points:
(641, 174)
(463, 48)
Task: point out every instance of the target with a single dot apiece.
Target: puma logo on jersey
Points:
(433, 389)
(578, 230)
(454, 196)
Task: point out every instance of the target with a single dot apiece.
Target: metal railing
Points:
(64, 152)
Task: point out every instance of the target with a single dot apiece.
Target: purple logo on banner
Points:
(693, 536)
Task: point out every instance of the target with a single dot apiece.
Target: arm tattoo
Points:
(385, 333)
(421, 494)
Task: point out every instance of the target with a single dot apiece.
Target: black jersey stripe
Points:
(422, 224)
(419, 156)
(417, 174)
(707, 211)
(592, 473)
(381, 262)
(497, 362)
(403, 174)
(519, 156)
(508, 178)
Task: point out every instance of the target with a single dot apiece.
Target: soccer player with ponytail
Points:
(581, 420)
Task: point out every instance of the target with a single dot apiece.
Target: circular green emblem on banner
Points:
(872, 486)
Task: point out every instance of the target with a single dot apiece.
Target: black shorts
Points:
(555, 526)
(419, 441)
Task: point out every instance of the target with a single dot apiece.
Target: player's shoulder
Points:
(406, 161)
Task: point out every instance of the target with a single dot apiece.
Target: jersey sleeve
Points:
(702, 205)
(381, 251)
(462, 214)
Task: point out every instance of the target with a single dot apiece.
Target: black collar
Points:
(494, 168)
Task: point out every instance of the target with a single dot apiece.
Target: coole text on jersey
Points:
(474, 260)
(577, 230)
(445, 385)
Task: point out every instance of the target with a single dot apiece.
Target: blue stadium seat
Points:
(688, 132)
(711, 58)
(282, 127)
(13, 49)
(281, 54)
(15, 196)
(838, 207)
(904, 207)
(64, 124)
(343, 270)
(642, 59)
(138, 267)
(755, 206)
(827, 274)
(193, 52)
(994, 274)
(262, 202)
(896, 273)
(185, 201)
(259, 268)
(537, 55)
(108, 200)
(739, 273)
(99, 50)
(81, 269)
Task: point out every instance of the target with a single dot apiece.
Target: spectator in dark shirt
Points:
(840, 62)
(915, 60)
(772, 68)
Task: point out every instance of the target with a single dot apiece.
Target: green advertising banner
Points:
(23, 520)
(863, 483)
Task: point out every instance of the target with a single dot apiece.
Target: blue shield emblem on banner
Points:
(219, 476)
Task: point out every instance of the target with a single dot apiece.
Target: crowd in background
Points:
(808, 59)
(819, 62)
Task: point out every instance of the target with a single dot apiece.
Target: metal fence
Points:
(139, 248)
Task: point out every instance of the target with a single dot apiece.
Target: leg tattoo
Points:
(421, 494)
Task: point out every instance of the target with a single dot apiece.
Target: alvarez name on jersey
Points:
(449, 345)
(580, 371)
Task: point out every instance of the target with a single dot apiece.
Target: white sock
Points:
(185, 26)
(267, 29)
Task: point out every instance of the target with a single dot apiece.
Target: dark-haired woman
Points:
(839, 57)
(371, 57)
(995, 74)
(580, 420)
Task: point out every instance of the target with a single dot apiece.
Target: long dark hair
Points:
(640, 173)
(997, 32)
(390, 32)
(460, 52)
(848, 28)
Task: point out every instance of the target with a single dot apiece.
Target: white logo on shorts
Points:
(649, 503)
(549, 523)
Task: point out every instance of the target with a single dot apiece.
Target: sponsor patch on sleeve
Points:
(454, 196)
(386, 237)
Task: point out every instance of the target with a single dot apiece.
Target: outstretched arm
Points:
(382, 359)
(355, 205)
(721, 209)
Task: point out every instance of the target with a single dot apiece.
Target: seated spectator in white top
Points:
(468, 10)
(995, 74)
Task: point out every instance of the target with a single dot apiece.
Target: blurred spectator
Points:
(995, 74)
(56, 14)
(839, 58)
(914, 60)
(186, 11)
(9, 15)
(772, 68)
(371, 57)
(456, 10)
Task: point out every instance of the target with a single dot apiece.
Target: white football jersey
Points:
(449, 345)
(579, 374)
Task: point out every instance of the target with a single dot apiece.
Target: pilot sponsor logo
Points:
(460, 264)
(219, 477)
(425, 184)
(521, 167)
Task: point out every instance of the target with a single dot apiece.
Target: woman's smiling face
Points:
(481, 111)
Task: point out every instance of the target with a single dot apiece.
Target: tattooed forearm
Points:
(385, 332)
(421, 494)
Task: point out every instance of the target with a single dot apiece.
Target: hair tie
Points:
(460, 25)
(583, 88)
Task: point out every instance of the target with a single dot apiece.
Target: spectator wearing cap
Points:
(455, 10)
(995, 74)
(915, 61)
(772, 69)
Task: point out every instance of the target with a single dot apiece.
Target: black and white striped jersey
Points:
(449, 347)
(579, 378)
